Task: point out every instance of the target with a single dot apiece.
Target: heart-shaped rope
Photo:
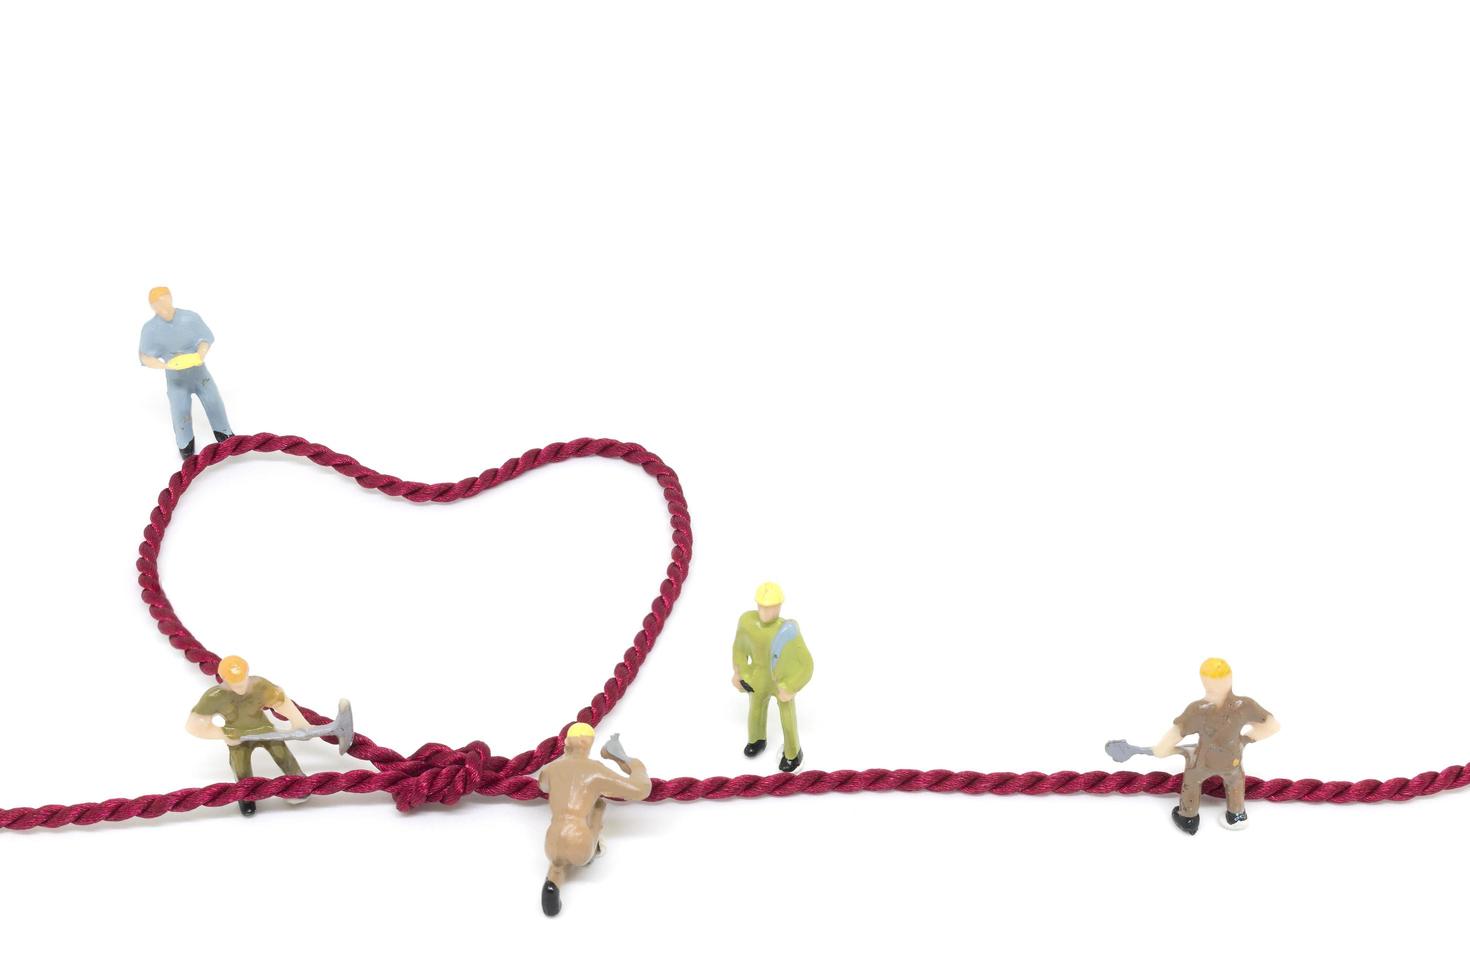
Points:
(439, 774)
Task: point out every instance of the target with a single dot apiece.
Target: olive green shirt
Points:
(1218, 727)
(752, 657)
(244, 714)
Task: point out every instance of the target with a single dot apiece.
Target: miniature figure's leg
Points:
(214, 406)
(566, 841)
(594, 820)
(178, 406)
(1234, 790)
(281, 756)
(788, 728)
(556, 876)
(240, 763)
(757, 721)
(240, 760)
(1194, 777)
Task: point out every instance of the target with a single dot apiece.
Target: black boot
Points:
(247, 808)
(221, 436)
(789, 765)
(755, 748)
(1187, 824)
(187, 451)
(550, 898)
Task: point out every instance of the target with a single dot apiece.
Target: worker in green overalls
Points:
(770, 659)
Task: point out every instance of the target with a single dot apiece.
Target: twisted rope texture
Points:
(436, 773)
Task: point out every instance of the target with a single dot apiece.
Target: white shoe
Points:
(1241, 823)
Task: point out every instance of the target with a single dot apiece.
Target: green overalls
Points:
(767, 656)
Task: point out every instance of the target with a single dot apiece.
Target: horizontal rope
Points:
(436, 773)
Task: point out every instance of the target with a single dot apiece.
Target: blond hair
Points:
(158, 291)
(581, 730)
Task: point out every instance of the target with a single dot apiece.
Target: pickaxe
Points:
(613, 749)
(341, 729)
(1121, 750)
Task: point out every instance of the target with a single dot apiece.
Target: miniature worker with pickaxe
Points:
(1220, 721)
(575, 786)
(235, 712)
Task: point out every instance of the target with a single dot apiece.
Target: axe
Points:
(341, 729)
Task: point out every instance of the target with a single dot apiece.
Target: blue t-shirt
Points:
(181, 335)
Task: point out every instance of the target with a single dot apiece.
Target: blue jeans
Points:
(186, 384)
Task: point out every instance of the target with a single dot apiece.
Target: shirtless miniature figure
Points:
(575, 786)
(1219, 721)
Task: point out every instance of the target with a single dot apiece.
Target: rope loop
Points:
(438, 774)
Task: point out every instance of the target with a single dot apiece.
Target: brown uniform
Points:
(1220, 748)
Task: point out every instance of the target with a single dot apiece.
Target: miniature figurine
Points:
(235, 712)
(175, 342)
(575, 786)
(1218, 720)
(771, 658)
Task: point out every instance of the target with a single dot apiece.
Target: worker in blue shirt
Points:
(175, 342)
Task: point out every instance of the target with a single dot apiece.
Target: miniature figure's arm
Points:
(795, 668)
(293, 714)
(201, 720)
(203, 726)
(634, 786)
(1167, 743)
(206, 337)
(144, 358)
(1262, 730)
(740, 657)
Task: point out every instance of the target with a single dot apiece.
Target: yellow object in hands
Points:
(181, 361)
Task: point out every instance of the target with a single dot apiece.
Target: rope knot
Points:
(444, 775)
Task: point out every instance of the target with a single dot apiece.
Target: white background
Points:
(1039, 351)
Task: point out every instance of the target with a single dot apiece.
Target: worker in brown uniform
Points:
(575, 786)
(1219, 721)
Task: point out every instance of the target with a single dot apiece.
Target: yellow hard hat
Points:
(234, 669)
(1214, 668)
(581, 730)
(769, 594)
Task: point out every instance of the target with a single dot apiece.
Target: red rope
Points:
(438, 774)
